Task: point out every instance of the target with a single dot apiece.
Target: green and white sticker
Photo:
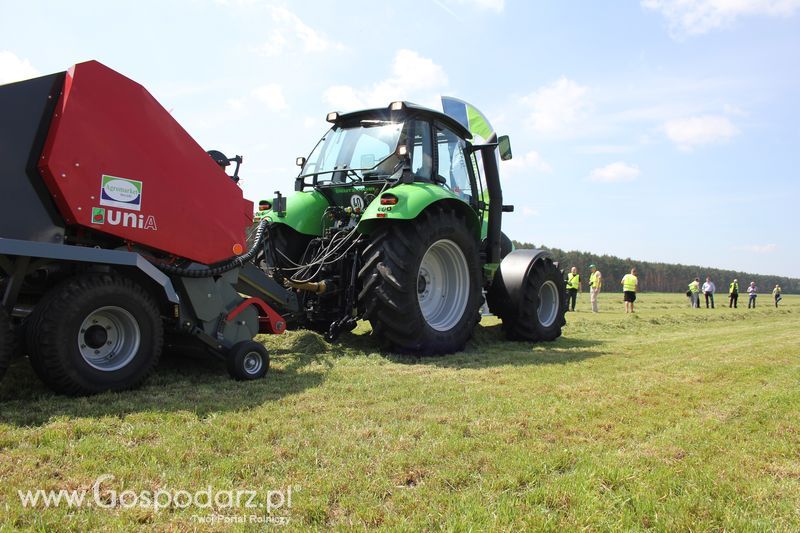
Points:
(121, 192)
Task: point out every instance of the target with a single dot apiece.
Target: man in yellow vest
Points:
(630, 284)
(694, 292)
(573, 287)
(734, 292)
(595, 284)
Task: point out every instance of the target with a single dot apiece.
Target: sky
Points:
(662, 130)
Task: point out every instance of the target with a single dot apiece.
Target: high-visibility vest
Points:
(594, 279)
(629, 282)
(694, 286)
(573, 281)
(734, 287)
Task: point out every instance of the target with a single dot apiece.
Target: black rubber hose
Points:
(225, 266)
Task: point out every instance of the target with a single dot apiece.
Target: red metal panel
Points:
(117, 162)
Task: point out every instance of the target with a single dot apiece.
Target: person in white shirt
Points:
(708, 290)
(752, 290)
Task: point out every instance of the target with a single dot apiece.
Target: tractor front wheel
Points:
(539, 313)
(420, 283)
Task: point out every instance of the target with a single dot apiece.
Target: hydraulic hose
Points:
(225, 266)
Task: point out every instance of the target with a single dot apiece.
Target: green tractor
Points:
(396, 219)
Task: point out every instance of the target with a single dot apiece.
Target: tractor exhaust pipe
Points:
(496, 208)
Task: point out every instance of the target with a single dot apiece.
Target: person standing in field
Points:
(630, 284)
(595, 284)
(573, 288)
(734, 294)
(694, 293)
(708, 290)
(752, 290)
(776, 294)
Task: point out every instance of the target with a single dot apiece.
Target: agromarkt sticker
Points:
(121, 192)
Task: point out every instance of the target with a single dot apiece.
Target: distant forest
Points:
(662, 277)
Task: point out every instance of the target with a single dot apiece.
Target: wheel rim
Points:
(109, 338)
(253, 363)
(548, 304)
(443, 285)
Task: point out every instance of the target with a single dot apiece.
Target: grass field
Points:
(672, 419)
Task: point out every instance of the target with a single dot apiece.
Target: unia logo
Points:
(121, 192)
(101, 215)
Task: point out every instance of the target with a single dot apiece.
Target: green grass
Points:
(671, 419)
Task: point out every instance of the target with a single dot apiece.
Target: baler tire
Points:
(7, 342)
(544, 282)
(56, 349)
(390, 283)
(248, 361)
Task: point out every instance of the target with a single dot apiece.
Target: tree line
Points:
(661, 277)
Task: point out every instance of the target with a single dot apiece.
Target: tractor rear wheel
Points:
(95, 333)
(6, 341)
(420, 283)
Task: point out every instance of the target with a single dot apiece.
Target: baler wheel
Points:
(248, 360)
(420, 283)
(6, 341)
(95, 333)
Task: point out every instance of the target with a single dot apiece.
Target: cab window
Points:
(452, 165)
(421, 149)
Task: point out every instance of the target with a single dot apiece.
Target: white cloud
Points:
(528, 212)
(558, 108)
(531, 160)
(489, 5)
(730, 109)
(689, 132)
(758, 248)
(12, 68)
(614, 173)
(412, 76)
(292, 34)
(235, 104)
(694, 17)
(271, 95)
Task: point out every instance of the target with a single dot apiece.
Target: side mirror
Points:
(504, 145)
(300, 161)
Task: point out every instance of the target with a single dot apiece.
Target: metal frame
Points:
(18, 258)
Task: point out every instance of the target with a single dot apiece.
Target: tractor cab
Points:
(368, 151)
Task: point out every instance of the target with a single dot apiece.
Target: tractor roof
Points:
(406, 111)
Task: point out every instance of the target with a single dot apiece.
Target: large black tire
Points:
(7, 343)
(401, 296)
(540, 316)
(95, 333)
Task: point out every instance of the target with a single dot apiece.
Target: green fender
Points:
(412, 199)
(304, 212)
